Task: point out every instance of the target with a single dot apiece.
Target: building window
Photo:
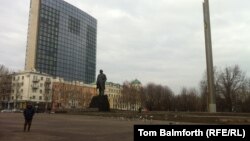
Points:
(34, 97)
(34, 77)
(74, 25)
(41, 84)
(40, 97)
(41, 91)
(22, 77)
(12, 97)
(41, 78)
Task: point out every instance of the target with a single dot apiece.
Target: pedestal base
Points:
(101, 102)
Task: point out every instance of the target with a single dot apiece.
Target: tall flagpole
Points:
(209, 58)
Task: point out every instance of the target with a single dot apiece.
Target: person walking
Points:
(28, 114)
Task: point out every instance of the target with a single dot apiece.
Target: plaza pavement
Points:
(61, 127)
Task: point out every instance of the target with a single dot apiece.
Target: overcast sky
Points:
(160, 41)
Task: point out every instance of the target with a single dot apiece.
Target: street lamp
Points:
(47, 92)
(17, 94)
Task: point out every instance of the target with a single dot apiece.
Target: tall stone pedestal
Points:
(101, 102)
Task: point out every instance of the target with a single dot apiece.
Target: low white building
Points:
(31, 87)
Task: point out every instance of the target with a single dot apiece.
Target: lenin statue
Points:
(100, 101)
(101, 79)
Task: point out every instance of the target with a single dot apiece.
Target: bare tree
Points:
(230, 83)
(204, 95)
(246, 105)
(4, 70)
(149, 96)
(246, 98)
(130, 96)
(167, 97)
(87, 98)
(158, 97)
(188, 100)
(125, 95)
(204, 91)
(5, 86)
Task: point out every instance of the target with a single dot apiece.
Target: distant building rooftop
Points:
(136, 82)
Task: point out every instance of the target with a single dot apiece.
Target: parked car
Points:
(11, 111)
(6, 111)
(17, 111)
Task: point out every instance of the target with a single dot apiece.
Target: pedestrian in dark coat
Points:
(28, 114)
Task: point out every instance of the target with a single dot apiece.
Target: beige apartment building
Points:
(113, 91)
(68, 95)
(123, 100)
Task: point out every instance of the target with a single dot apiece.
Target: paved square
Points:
(61, 127)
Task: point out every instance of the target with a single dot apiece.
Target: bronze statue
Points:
(101, 79)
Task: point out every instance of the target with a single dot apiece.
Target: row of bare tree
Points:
(232, 89)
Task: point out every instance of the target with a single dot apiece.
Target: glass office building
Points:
(61, 41)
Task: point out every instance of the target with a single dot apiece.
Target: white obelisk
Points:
(209, 58)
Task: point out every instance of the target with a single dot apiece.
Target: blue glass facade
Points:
(66, 44)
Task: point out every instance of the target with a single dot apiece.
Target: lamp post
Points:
(47, 93)
(73, 94)
(53, 85)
